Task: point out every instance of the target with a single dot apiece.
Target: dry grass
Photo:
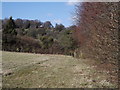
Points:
(51, 71)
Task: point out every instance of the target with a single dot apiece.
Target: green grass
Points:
(50, 71)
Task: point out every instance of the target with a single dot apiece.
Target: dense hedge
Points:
(97, 31)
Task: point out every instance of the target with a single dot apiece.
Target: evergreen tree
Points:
(10, 27)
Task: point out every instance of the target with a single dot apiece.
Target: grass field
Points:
(27, 70)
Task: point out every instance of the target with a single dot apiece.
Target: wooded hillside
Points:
(37, 37)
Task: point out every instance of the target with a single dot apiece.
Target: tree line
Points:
(37, 37)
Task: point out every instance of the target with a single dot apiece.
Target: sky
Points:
(56, 12)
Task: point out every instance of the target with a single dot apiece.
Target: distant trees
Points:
(19, 23)
(46, 41)
(35, 23)
(10, 27)
(67, 41)
(47, 25)
(9, 33)
(59, 27)
(26, 24)
(39, 37)
(4, 22)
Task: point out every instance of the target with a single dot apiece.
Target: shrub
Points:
(46, 41)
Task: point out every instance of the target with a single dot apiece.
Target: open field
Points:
(27, 70)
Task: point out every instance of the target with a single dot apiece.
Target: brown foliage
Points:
(97, 31)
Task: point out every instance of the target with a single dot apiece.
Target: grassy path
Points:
(52, 71)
